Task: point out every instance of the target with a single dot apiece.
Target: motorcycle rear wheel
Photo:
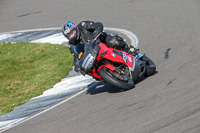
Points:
(121, 81)
(151, 67)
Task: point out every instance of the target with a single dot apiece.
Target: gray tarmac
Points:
(168, 32)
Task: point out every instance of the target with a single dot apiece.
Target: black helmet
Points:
(71, 32)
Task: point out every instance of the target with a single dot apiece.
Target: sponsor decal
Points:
(124, 57)
(113, 55)
(129, 58)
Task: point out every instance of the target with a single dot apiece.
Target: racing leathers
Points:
(88, 30)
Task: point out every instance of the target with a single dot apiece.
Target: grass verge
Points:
(28, 69)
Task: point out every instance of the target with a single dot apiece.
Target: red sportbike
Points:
(114, 66)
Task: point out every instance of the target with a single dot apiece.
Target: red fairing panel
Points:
(110, 55)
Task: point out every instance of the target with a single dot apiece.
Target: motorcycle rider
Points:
(86, 31)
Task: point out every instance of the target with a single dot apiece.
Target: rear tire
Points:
(110, 78)
(151, 67)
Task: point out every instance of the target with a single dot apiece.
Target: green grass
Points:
(28, 69)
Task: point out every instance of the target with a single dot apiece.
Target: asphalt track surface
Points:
(168, 32)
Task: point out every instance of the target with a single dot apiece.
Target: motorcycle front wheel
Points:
(119, 80)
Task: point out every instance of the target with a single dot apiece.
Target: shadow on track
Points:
(102, 87)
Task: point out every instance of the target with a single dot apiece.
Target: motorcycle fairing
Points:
(88, 58)
(109, 66)
(135, 70)
(115, 55)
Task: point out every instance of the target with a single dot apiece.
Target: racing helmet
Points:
(71, 32)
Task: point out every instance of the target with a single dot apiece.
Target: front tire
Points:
(125, 82)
